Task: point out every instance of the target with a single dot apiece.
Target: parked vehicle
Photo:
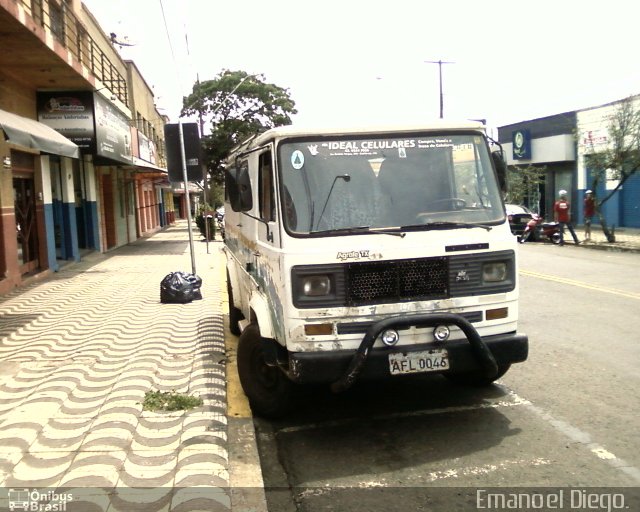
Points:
(369, 253)
(519, 216)
(219, 215)
(550, 231)
(538, 229)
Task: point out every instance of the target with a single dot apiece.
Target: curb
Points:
(246, 485)
(599, 246)
(610, 247)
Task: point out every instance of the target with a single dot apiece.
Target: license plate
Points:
(434, 360)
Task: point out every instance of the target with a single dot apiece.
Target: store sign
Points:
(521, 145)
(113, 134)
(146, 149)
(88, 120)
(70, 113)
(594, 139)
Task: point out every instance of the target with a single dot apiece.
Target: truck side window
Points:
(265, 185)
(229, 182)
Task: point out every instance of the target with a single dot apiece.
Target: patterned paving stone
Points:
(78, 352)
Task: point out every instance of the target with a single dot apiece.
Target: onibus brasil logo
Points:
(38, 501)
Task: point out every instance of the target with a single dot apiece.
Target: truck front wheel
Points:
(267, 387)
(476, 379)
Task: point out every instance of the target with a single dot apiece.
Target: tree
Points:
(236, 105)
(618, 159)
(524, 185)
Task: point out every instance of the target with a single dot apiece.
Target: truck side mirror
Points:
(238, 188)
(501, 169)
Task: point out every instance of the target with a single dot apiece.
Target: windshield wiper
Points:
(443, 224)
(344, 177)
(362, 230)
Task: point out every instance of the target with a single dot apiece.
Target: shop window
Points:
(56, 21)
(83, 44)
(36, 11)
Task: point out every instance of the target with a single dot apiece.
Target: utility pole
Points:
(440, 63)
(186, 193)
(205, 183)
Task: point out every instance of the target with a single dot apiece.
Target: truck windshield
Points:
(333, 185)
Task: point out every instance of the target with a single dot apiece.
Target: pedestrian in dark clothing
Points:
(589, 211)
(562, 215)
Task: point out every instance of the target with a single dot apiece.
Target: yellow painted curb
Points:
(237, 403)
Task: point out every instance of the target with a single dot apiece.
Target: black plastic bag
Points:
(180, 287)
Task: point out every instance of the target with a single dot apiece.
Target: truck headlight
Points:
(316, 286)
(494, 272)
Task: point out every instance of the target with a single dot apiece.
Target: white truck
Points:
(369, 253)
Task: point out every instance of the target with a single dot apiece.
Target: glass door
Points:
(26, 227)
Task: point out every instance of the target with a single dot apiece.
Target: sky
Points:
(359, 62)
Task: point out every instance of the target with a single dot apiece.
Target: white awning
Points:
(138, 162)
(32, 134)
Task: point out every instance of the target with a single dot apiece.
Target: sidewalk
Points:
(79, 351)
(627, 239)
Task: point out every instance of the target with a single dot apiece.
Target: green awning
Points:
(32, 134)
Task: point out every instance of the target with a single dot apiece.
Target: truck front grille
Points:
(397, 281)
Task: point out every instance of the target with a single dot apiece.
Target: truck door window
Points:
(265, 185)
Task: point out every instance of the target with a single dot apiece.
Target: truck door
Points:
(268, 232)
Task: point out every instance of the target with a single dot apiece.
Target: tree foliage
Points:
(524, 185)
(233, 106)
(618, 159)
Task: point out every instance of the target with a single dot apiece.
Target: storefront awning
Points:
(32, 134)
(145, 166)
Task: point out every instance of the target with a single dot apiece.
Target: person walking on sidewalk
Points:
(562, 215)
(589, 211)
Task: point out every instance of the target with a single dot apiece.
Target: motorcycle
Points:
(537, 228)
(219, 215)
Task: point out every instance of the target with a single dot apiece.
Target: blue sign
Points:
(521, 145)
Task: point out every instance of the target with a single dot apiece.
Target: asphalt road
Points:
(561, 427)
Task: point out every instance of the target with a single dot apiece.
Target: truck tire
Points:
(269, 390)
(476, 379)
(235, 315)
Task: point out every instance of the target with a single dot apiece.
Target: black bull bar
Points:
(479, 348)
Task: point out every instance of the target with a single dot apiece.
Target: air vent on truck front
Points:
(397, 281)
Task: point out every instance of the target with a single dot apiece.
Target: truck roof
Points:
(304, 130)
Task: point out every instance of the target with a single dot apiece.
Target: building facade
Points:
(82, 143)
(547, 142)
(562, 144)
(623, 209)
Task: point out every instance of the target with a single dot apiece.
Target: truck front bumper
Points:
(474, 354)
